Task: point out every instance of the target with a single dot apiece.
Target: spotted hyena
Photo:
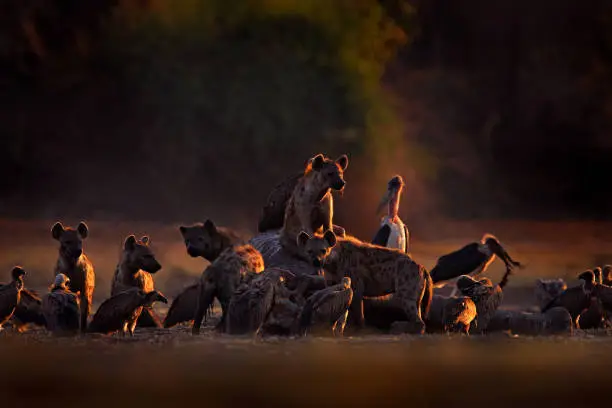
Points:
(208, 241)
(374, 271)
(73, 263)
(310, 208)
(135, 269)
(232, 265)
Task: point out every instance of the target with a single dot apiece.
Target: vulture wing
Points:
(9, 298)
(29, 309)
(183, 306)
(115, 311)
(461, 262)
(382, 236)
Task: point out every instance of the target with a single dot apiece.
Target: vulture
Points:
(253, 301)
(598, 274)
(486, 296)
(575, 299)
(556, 321)
(28, 311)
(10, 295)
(121, 312)
(472, 260)
(183, 306)
(606, 276)
(393, 233)
(327, 308)
(62, 308)
(548, 289)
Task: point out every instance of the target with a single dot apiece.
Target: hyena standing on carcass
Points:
(374, 271)
(73, 263)
(135, 269)
(310, 208)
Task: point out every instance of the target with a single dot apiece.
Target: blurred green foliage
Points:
(255, 86)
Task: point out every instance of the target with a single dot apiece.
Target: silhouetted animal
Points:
(554, 321)
(393, 233)
(374, 271)
(486, 296)
(121, 311)
(204, 240)
(183, 306)
(575, 299)
(73, 263)
(310, 207)
(606, 276)
(28, 311)
(253, 301)
(10, 295)
(273, 213)
(472, 260)
(221, 279)
(135, 270)
(593, 317)
(548, 289)
(61, 308)
(327, 308)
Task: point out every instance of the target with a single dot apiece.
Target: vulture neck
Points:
(393, 206)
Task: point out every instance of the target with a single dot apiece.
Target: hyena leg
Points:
(356, 310)
(410, 295)
(85, 309)
(200, 310)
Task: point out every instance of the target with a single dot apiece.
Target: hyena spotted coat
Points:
(73, 263)
(374, 271)
(135, 269)
(204, 240)
(310, 208)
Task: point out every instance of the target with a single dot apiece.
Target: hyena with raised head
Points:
(73, 263)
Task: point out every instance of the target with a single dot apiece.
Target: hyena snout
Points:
(74, 251)
(193, 251)
(338, 184)
(152, 266)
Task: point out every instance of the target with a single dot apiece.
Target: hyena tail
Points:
(427, 294)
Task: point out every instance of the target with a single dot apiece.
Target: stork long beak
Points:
(384, 202)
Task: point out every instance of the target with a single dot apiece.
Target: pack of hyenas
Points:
(301, 275)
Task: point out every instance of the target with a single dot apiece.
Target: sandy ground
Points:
(171, 367)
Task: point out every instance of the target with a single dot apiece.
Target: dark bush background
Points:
(176, 111)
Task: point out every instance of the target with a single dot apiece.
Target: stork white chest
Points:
(398, 237)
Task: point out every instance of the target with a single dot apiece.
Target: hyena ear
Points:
(183, 230)
(83, 230)
(130, 243)
(57, 230)
(342, 161)
(302, 239)
(210, 226)
(330, 238)
(318, 161)
(145, 240)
